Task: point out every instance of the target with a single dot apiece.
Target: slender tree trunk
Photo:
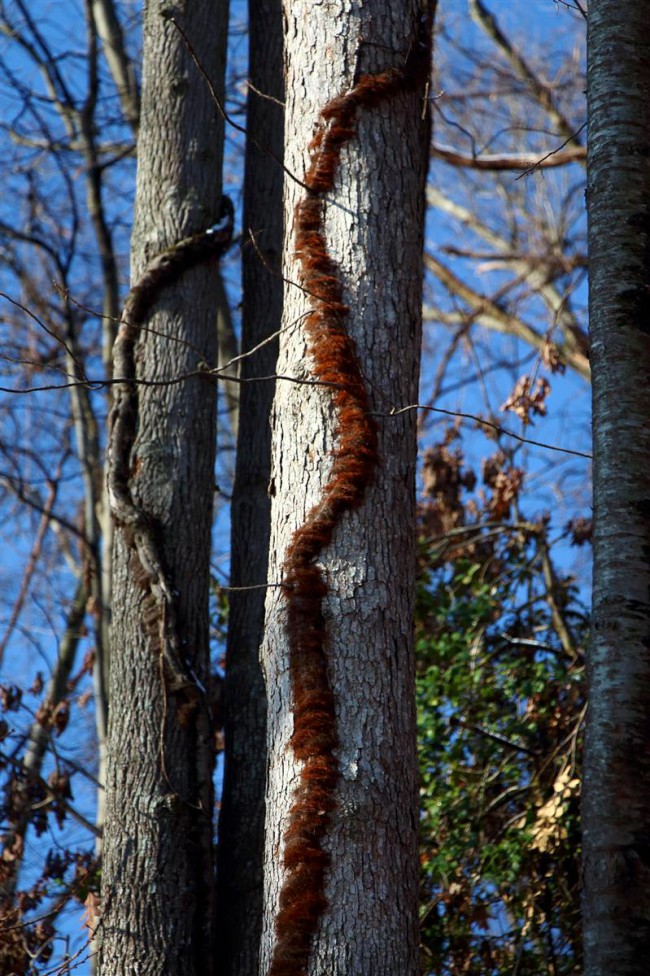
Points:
(158, 862)
(372, 225)
(616, 788)
(110, 31)
(241, 821)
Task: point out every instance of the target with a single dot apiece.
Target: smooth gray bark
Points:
(158, 844)
(616, 786)
(373, 226)
(241, 820)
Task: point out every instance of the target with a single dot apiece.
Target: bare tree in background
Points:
(241, 819)
(53, 344)
(507, 181)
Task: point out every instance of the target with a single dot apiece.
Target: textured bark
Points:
(373, 228)
(158, 865)
(241, 821)
(616, 789)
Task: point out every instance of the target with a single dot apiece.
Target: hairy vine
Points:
(142, 532)
(333, 355)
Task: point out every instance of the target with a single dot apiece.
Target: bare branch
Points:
(482, 422)
(119, 64)
(485, 311)
(39, 737)
(541, 91)
(499, 161)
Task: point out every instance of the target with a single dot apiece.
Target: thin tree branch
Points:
(31, 564)
(37, 744)
(498, 161)
(541, 92)
(488, 313)
(120, 66)
(482, 422)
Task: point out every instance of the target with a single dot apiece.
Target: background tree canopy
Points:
(503, 484)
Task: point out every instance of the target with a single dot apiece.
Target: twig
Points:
(222, 110)
(488, 423)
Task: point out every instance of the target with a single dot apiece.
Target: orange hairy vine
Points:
(332, 352)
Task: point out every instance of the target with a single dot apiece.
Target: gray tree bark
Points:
(158, 864)
(373, 228)
(616, 786)
(241, 820)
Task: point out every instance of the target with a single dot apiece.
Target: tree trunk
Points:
(366, 209)
(241, 821)
(616, 788)
(158, 862)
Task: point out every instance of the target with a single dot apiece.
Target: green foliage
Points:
(500, 704)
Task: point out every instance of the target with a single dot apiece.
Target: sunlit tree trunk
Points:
(158, 862)
(241, 820)
(373, 227)
(616, 789)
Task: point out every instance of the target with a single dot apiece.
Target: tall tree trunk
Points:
(158, 843)
(616, 788)
(241, 821)
(341, 889)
